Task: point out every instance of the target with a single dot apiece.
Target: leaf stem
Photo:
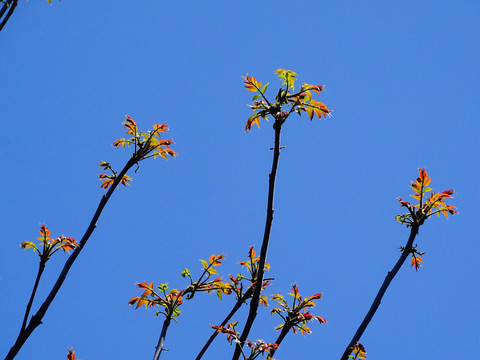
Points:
(378, 299)
(263, 95)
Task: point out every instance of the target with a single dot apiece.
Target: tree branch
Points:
(41, 267)
(11, 8)
(36, 320)
(266, 238)
(378, 299)
(280, 338)
(161, 340)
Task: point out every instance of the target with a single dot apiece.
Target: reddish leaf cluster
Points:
(295, 317)
(146, 144)
(108, 180)
(251, 264)
(71, 354)
(49, 246)
(416, 260)
(230, 331)
(256, 348)
(298, 314)
(300, 101)
(204, 283)
(260, 347)
(171, 300)
(428, 205)
(358, 352)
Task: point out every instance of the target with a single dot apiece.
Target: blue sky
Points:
(402, 80)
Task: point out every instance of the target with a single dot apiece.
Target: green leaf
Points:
(212, 271)
(256, 97)
(185, 272)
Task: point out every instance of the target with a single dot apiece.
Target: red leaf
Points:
(71, 354)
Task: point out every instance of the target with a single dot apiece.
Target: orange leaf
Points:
(106, 183)
(120, 142)
(130, 125)
(44, 231)
(27, 245)
(254, 119)
(145, 285)
(416, 261)
(423, 177)
(140, 303)
(125, 180)
(215, 260)
(251, 84)
(71, 354)
(160, 127)
(319, 108)
(170, 152)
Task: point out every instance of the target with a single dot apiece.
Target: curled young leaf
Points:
(71, 353)
(427, 206)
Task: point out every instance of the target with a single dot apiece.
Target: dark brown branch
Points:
(4, 8)
(280, 338)
(161, 340)
(266, 238)
(36, 320)
(237, 306)
(41, 267)
(11, 8)
(378, 299)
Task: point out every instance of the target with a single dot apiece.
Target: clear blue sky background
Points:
(402, 78)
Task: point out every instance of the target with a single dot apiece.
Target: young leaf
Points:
(71, 353)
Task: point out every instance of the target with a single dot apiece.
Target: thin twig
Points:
(11, 8)
(263, 252)
(378, 299)
(36, 320)
(41, 267)
(4, 8)
(237, 306)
